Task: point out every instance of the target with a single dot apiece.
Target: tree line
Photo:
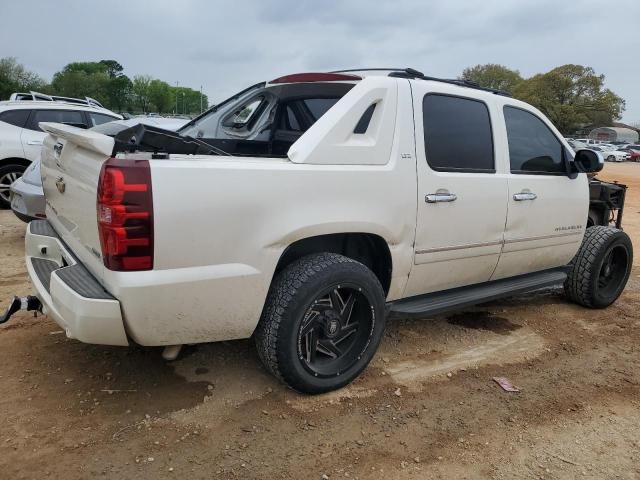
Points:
(571, 96)
(106, 82)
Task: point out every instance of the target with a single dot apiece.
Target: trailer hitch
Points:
(29, 303)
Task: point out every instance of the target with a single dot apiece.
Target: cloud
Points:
(227, 45)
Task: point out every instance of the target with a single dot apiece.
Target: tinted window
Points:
(533, 148)
(99, 118)
(319, 106)
(291, 120)
(457, 134)
(69, 117)
(15, 117)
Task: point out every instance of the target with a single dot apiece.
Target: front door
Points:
(462, 192)
(547, 209)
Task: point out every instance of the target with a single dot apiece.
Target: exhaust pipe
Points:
(29, 303)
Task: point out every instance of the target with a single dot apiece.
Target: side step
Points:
(440, 302)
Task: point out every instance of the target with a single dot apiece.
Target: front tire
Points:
(601, 268)
(322, 322)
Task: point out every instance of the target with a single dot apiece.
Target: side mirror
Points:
(588, 161)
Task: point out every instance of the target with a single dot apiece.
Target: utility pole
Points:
(200, 98)
(176, 97)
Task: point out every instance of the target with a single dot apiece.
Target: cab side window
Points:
(533, 148)
(69, 117)
(457, 134)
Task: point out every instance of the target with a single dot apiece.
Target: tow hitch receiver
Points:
(29, 303)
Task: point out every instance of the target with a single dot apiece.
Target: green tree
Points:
(492, 75)
(140, 88)
(15, 78)
(120, 90)
(112, 67)
(188, 100)
(571, 95)
(160, 95)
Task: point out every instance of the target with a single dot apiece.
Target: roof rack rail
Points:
(54, 98)
(412, 73)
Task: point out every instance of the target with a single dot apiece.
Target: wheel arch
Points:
(14, 161)
(367, 248)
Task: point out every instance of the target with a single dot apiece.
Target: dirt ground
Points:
(425, 408)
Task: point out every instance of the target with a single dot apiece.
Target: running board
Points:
(440, 302)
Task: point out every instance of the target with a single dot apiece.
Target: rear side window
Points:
(533, 148)
(99, 118)
(69, 117)
(244, 114)
(15, 117)
(319, 106)
(457, 134)
(291, 122)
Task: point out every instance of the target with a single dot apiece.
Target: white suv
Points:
(21, 137)
(311, 208)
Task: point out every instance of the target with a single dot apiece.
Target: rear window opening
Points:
(262, 122)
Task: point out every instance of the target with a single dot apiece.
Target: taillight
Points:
(125, 215)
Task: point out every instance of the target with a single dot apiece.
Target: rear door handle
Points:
(440, 197)
(520, 197)
(34, 142)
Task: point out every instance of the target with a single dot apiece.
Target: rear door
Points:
(32, 134)
(12, 123)
(547, 210)
(462, 191)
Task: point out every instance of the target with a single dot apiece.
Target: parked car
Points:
(612, 154)
(304, 210)
(589, 141)
(21, 138)
(633, 151)
(26, 194)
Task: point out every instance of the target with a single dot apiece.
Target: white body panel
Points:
(10, 143)
(221, 224)
(31, 143)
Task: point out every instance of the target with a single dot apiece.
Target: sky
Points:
(225, 46)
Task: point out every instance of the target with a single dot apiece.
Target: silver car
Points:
(26, 194)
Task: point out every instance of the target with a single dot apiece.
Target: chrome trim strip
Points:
(458, 247)
(542, 237)
(499, 242)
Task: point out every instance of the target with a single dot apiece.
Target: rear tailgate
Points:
(71, 163)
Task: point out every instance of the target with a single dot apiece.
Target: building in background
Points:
(619, 133)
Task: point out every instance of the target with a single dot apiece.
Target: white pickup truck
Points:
(306, 210)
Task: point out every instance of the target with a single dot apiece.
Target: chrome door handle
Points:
(440, 197)
(34, 142)
(519, 197)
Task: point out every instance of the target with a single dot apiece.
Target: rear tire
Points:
(8, 174)
(601, 268)
(611, 158)
(322, 322)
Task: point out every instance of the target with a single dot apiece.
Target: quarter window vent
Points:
(365, 119)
